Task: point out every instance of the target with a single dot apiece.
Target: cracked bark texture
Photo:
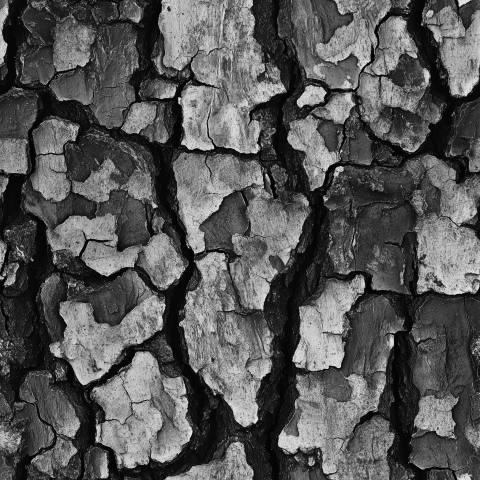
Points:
(239, 240)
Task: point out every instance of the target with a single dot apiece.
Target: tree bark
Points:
(239, 240)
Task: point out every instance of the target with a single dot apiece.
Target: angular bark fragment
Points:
(320, 136)
(17, 319)
(465, 137)
(332, 402)
(54, 406)
(158, 89)
(76, 84)
(145, 414)
(115, 60)
(229, 348)
(435, 415)
(50, 175)
(18, 113)
(357, 147)
(51, 136)
(62, 461)
(217, 41)
(323, 325)
(455, 31)
(334, 39)
(106, 260)
(72, 44)
(264, 245)
(440, 193)
(36, 53)
(96, 464)
(162, 261)
(233, 466)
(445, 334)
(105, 12)
(37, 65)
(313, 95)
(92, 348)
(322, 421)
(445, 475)
(72, 234)
(152, 120)
(366, 452)
(449, 259)
(395, 89)
(38, 435)
(368, 223)
(267, 248)
(131, 10)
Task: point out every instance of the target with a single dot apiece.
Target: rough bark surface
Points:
(239, 239)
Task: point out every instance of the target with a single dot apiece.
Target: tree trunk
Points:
(239, 239)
